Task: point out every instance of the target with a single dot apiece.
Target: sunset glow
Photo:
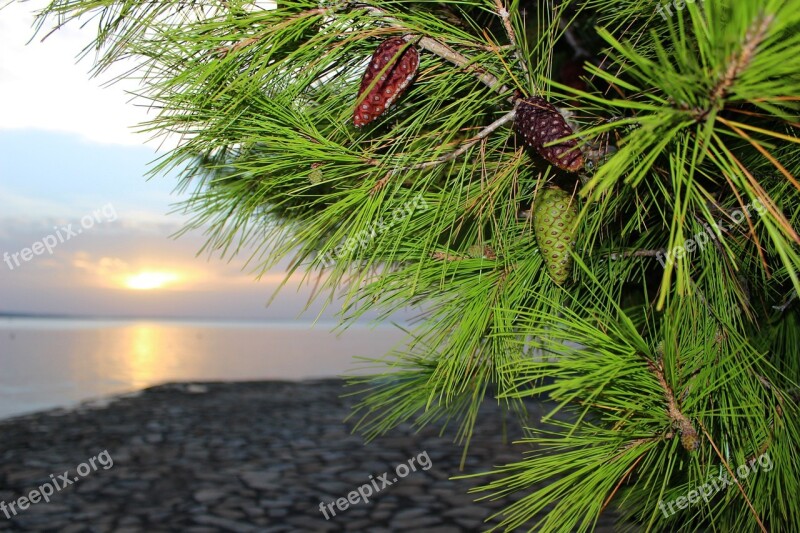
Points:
(145, 281)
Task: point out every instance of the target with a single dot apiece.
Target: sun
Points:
(145, 281)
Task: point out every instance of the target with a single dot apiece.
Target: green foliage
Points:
(672, 353)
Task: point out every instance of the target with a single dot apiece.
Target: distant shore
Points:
(268, 456)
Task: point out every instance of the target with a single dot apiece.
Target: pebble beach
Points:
(244, 457)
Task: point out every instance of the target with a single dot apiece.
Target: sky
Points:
(82, 231)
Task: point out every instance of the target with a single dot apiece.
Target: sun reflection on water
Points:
(145, 365)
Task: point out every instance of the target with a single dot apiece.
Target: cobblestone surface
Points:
(243, 457)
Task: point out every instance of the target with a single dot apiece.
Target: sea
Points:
(48, 363)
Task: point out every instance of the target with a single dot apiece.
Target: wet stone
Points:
(246, 457)
(209, 495)
(225, 524)
(414, 524)
(261, 480)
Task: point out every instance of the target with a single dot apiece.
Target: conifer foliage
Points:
(667, 333)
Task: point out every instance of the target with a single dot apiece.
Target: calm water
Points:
(47, 363)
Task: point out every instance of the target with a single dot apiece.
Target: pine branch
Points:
(223, 51)
(445, 52)
(485, 132)
(282, 168)
(782, 169)
(502, 12)
(443, 256)
(734, 478)
(637, 253)
(627, 474)
(736, 66)
(680, 421)
(481, 251)
(786, 303)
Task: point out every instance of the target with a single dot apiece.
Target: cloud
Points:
(99, 267)
(18, 205)
(52, 91)
(46, 89)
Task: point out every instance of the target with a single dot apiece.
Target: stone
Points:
(209, 495)
(154, 438)
(74, 528)
(253, 510)
(275, 504)
(334, 487)
(246, 457)
(418, 523)
(311, 523)
(278, 513)
(129, 521)
(261, 480)
(363, 524)
(225, 524)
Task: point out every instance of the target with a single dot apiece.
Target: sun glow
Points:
(145, 281)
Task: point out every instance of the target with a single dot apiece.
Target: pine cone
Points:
(315, 176)
(539, 123)
(554, 216)
(690, 441)
(392, 84)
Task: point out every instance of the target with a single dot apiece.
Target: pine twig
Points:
(627, 473)
(680, 421)
(475, 252)
(445, 52)
(735, 479)
(444, 256)
(502, 12)
(223, 51)
(754, 37)
(490, 80)
(781, 308)
(485, 132)
(637, 253)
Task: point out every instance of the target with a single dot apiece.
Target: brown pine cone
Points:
(539, 123)
(402, 67)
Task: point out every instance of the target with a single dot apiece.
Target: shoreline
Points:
(265, 456)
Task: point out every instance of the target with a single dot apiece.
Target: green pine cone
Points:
(554, 216)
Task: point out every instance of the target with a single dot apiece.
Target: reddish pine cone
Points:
(539, 123)
(393, 82)
(554, 218)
